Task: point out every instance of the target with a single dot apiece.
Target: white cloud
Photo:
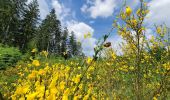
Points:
(57, 6)
(43, 6)
(159, 12)
(62, 12)
(99, 8)
(84, 8)
(80, 28)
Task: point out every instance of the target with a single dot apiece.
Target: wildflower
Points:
(62, 85)
(89, 60)
(66, 93)
(154, 98)
(19, 90)
(77, 97)
(113, 55)
(77, 78)
(45, 53)
(31, 96)
(25, 89)
(36, 63)
(138, 12)
(128, 11)
(34, 50)
(134, 22)
(81, 86)
(158, 29)
(31, 76)
(86, 97)
(123, 16)
(91, 68)
(41, 72)
(131, 68)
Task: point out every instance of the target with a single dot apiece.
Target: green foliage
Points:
(8, 56)
(49, 35)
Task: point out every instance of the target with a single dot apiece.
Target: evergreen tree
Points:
(72, 45)
(49, 36)
(64, 41)
(28, 26)
(10, 14)
(79, 49)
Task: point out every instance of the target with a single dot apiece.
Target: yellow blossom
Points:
(45, 53)
(128, 11)
(62, 85)
(154, 98)
(77, 78)
(36, 63)
(89, 60)
(31, 96)
(134, 22)
(34, 50)
(158, 29)
(86, 97)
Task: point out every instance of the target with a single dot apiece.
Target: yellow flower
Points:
(36, 63)
(51, 97)
(91, 68)
(77, 97)
(86, 97)
(65, 97)
(128, 11)
(158, 29)
(19, 90)
(66, 94)
(41, 72)
(34, 50)
(113, 55)
(45, 53)
(134, 22)
(25, 89)
(81, 86)
(123, 16)
(62, 85)
(154, 98)
(89, 60)
(131, 68)
(32, 75)
(31, 96)
(77, 78)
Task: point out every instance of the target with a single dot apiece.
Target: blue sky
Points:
(96, 17)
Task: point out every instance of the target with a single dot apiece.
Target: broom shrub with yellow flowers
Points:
(141, 72)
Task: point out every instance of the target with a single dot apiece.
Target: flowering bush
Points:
(141, 72)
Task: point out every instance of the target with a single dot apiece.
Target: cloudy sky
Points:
(96, 17)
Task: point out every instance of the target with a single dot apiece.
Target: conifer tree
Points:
(11, 12)
(64, 41)
(72, 44)
(49, 36)
(28, 26)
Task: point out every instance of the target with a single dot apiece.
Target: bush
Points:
(8, 56)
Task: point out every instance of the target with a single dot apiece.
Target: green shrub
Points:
(8, 56)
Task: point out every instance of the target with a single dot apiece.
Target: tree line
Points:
(21, 26)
